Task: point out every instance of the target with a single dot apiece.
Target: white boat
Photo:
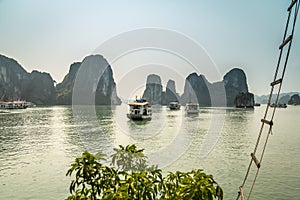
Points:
(192, 108)
(4, 105)
(174, 105)
(15, 105)
(140, 109)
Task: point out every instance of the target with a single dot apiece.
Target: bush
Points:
(130, 177)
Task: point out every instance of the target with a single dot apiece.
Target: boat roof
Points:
(138, 103)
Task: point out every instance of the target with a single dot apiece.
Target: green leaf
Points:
(133, 179)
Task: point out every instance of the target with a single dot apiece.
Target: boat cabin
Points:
(192, 108)
(140, 109)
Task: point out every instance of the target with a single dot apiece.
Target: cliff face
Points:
(40, 88)
(12, 76)
(196, 90)
(231, 91)
(16, 83)
(171, 94)
(106, 90)
(284, 99)
(65, 88)
(153, 92)
(94, 77)
(235, 82)
(244, 100)
(294, 100)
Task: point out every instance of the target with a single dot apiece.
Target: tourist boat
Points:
(174, 105)
(140, 109)
(279, 105)
(192, 108)
(15, 105)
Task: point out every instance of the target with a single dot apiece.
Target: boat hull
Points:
(174, 108)
(192, 109)
(139, 117)
(174, 105)
(14, 105)
(192, 112)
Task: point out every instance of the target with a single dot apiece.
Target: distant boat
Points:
(174, 105)
(257, 104)
(280, 105)
(140, 109)
(15, 105)
(192, 108)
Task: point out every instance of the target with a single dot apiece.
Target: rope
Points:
(294, 4)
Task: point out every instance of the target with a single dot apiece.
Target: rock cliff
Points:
(170, 94)
(196, 90)
(65, 88)
(153, 92)
(231, 91)
(235, 82)
(12, 76)
(38, 87)
(17, 84)
(95, 79)
(295, 100)
(244, 100)
(284, 99)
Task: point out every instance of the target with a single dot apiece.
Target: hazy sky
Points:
(51, 35)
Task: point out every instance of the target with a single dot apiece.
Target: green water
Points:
(37, 146)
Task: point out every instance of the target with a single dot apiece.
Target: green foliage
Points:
(129, 177)
(129, 158)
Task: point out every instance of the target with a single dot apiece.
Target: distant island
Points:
(231, 91)
(39, 88)
(291, 98)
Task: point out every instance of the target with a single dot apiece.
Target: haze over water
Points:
(37, 146)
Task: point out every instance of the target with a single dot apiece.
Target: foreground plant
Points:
(129, 177)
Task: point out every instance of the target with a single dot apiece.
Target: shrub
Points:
(130, 177)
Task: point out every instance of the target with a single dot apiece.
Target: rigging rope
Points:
(293, 8)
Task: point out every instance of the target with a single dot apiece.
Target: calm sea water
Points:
(37, 146)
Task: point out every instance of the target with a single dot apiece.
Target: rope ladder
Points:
(267, 120)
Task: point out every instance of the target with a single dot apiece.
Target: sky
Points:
(50, 35)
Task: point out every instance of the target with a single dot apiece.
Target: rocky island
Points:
(105, 91)
(231, 91)
(16, 83)
(39, 88)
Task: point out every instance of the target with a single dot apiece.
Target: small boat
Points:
(140, 109)
(192, 108)
(279, 105)
(15, 105)
(174, 105)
